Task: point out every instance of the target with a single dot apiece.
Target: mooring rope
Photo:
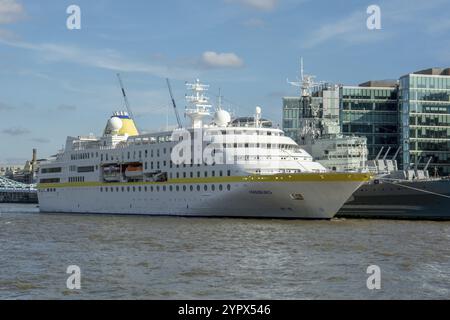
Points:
(412, 188)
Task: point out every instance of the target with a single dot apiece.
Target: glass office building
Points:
(411, 115)
(371, 110)
(424, 99)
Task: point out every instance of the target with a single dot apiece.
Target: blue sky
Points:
(57, 82)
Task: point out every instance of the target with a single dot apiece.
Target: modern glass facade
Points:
(296, 108)
(291, 110)
(425, 119)
(412, 114)
(371, 112)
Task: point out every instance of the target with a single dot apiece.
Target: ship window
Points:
(184, 188)
(213, 187)
(178, 188)
(198, 188)
(191, 174)
(165, 163)
(228, 187)
(106, 189)
(123, 189)
(140, 154)
(157, 165)
(146, 153)
(140, 189)
(134, 189)
(206, 174)
(157, 188)
(151, 188)
(229, 173)
(221, 173)
(165, 150)
(171, 188)
(164, 188)
(198, 174)
(178, 175)
(192, 188)
(128, 189)
(213, 173)
(157, 153)
(184, 174)
(101, 189)
(107, 157)
(205, 187)
(220, 187)
(117, 189)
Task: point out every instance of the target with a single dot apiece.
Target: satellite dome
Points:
(222, 118)
(115, 124)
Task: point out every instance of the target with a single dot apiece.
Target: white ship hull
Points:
(318, 197)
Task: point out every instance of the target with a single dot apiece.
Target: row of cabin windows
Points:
(199, 174)
(159, 164)
(139, 153)
(83, 156)
(76, 179)
(184, 188)
(238, 132)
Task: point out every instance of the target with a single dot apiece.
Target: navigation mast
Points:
(199, 106)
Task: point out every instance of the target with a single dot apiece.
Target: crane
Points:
(174, 104)
(125, 98)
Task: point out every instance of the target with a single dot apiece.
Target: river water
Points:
(133, 257)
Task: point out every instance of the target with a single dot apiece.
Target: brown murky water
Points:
(175, 258)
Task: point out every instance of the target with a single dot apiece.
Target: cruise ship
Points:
(215, 167)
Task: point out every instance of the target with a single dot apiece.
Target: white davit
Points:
(218, 166)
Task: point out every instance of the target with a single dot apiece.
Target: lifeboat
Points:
(134, 171)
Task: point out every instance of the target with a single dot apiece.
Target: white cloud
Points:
(213, 59)
(10, 11)
(263, 5)
(100, 58)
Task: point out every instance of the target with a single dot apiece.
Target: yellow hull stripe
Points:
(310, 177)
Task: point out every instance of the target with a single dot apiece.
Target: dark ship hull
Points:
(422, 199)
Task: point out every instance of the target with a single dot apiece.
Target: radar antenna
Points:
(306, 82)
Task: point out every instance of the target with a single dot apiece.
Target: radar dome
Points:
(222, 118)
(258, 110)
(115, 124)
